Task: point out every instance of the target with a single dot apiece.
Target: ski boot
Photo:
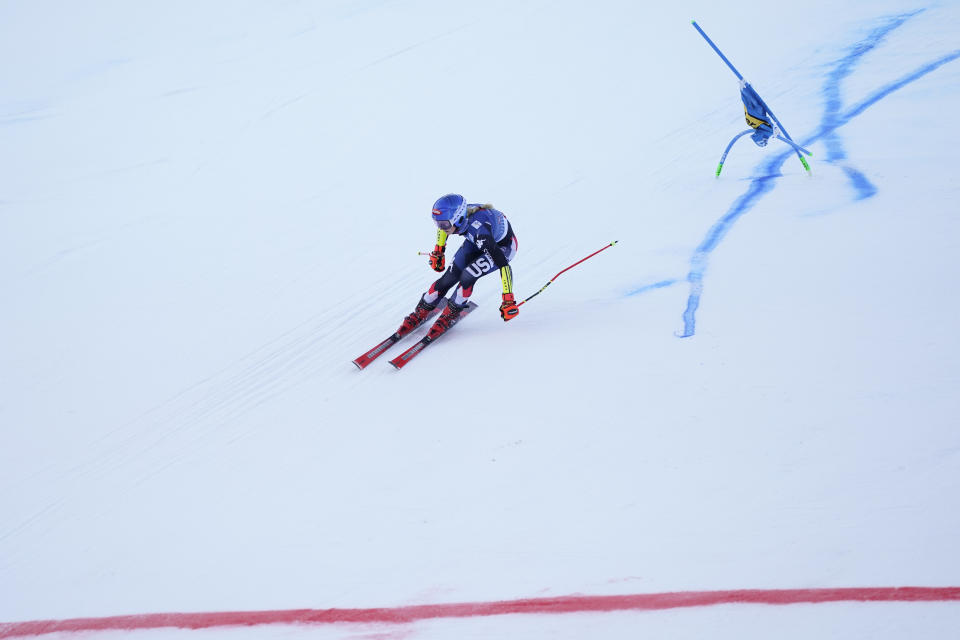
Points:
(447, 319)
(416, 318)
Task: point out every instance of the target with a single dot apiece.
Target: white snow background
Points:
(208, 209)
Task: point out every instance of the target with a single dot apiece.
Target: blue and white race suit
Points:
(489, 244)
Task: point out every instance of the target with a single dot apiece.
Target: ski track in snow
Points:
(767, 172)
(169, 432)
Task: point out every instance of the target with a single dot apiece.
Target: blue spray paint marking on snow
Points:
(864, 187)
(650, 287)
(770, 170)
(698, 263)
(833, 103)
(886, 90)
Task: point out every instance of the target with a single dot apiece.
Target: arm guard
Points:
(441, 238)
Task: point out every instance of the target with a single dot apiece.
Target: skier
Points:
(756, 114)
(489, 243)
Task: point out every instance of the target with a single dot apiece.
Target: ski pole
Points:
(567, 269)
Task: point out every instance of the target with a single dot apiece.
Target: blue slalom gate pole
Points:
(717, 49)
(723, 158)
(793, 144)
(786, 136)
(727, 150)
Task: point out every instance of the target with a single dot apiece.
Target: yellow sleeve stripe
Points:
(506, 278)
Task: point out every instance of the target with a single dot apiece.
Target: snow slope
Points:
(208, 209)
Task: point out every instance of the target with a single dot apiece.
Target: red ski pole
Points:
(567, 269)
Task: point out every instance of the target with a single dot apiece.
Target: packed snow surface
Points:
(208, 209)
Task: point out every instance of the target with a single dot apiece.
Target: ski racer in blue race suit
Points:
(489, 244)
(756, 114)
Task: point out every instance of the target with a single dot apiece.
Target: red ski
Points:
(381, 348)
(408, 355)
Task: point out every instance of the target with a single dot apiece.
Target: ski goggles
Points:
(445, 225)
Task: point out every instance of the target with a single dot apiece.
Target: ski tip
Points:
(357, 364)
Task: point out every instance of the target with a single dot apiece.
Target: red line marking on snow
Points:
(408, 614)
